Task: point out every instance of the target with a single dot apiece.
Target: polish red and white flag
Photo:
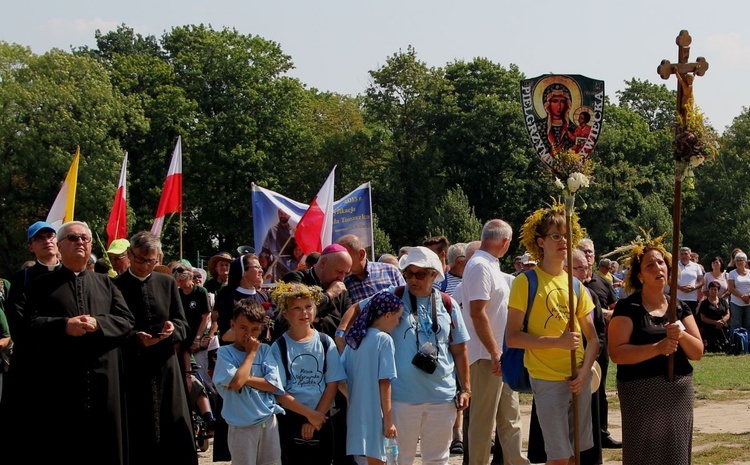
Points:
(117, 226)
(315, 228)
(171, 195)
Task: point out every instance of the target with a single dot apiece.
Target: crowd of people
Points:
(340, 353)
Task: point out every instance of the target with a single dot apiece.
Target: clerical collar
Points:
(246, 291)
(49, 267)
(138, 277)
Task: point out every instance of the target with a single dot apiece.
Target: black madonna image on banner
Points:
(562, 112)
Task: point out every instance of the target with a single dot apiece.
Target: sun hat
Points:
(596, 376)
(219, 257)
(118, 246)
(201, 272)
(38, 227)
(424, 258)
(526, 259)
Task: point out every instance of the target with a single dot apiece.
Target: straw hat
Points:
(596, 376)
(219, 257)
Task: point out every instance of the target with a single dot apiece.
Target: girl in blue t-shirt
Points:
(310, 370)
(370, 364)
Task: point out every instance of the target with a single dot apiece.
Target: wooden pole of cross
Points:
(685, 73)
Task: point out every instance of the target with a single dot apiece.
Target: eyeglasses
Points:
(420, 275)
(197, 276)
(555, 237)
(179, 270)
(579, 268)
(255, 267)
(76, 237)
(143, 261)
(44, 237)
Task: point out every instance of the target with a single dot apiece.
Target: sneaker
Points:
(457, 447)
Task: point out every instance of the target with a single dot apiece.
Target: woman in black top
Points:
(657, 415)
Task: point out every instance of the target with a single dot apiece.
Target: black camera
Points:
(425, 362)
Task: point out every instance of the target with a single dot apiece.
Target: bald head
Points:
(333, 267)
(357, 252)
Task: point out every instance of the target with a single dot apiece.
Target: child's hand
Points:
(389, 429)
(316, 419)
(307, 431)
(251, 344)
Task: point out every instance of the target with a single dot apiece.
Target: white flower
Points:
(576, 181)
(559, 184)
(696, 160)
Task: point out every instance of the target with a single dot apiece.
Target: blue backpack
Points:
(512, 366)
(738, 342)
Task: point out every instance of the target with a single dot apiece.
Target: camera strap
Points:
(415, 314)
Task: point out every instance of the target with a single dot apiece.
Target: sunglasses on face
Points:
(420, 275)
(179, 270)
(76, 237)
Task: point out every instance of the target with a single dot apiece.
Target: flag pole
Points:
(180, 233)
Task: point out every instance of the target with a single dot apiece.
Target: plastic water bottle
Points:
(391, 451)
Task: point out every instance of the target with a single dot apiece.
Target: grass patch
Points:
(716, 377)
(722, 448)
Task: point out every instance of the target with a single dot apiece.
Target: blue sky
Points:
(335, 43)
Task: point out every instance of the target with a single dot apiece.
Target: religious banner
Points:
(352, 214)
(561, 113)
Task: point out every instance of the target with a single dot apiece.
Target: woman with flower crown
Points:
(548, 340)
(640, 341)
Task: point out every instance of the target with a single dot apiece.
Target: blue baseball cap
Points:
(37, 227)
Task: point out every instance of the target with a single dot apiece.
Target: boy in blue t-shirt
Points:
(247, 378)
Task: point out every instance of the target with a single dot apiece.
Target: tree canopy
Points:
(443, 146)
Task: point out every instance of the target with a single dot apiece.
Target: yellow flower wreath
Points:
(285, 291)
(528, 230)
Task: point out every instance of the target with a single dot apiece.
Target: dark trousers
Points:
(602, 403)
(298, 451)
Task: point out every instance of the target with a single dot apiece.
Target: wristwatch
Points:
(339, 333)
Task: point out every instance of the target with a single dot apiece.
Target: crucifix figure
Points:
(685, 73)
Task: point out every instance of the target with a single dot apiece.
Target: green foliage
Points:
(453, 217)
(444, 148)
(380, 239)
(49, 105)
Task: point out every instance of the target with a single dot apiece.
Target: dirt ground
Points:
(710, 417)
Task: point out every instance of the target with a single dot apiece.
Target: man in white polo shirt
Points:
(487, 293)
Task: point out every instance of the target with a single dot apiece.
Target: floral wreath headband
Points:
(285, 291)
(633, 252)
(528, 230)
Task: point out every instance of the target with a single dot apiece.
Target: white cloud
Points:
(78, 26)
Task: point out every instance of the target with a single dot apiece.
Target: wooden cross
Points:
(682, 69)
(685, 73)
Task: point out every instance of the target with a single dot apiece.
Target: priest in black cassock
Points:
(72, 405)
(160, 428)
